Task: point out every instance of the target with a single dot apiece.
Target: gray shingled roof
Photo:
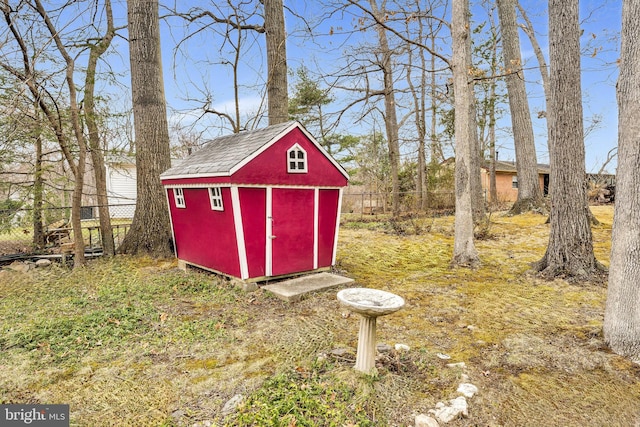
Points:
(220, 155)
(509, 166)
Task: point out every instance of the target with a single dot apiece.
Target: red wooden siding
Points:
(292, 246)
(253, 202)
(327, 216)
(270, 166)
(203, 235)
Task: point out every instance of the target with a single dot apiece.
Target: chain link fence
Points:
(17, 236)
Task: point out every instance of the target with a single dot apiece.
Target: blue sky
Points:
(601, 26)
(199, 70)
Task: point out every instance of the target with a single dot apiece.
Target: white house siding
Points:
(121, 189)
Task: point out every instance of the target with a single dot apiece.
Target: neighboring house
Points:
(121, 185)
(257, 204)
(507, 181)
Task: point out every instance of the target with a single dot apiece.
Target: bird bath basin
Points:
(368, 303)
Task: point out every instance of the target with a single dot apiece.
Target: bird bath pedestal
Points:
(369, 304)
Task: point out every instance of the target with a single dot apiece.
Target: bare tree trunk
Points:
(570, 248)
(38, 190)
(493, 190)
(54, 117)
(537, 50)
(96, 50)
(477, 157)
(74, 108)
(622, 313)
(277, 86)
(436, 149)
(390, 116)
(419, 95)
(529, 194)
(464, 251)
(150, 233)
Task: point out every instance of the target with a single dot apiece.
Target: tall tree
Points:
(96, 50)
(74, 149)
(276, 61)
(306, 106)
(464, 251)
(570, 247)
(230, 25)
(622, 313)
(390, 114)
(529, 194)
(150, 231)
(489, 97)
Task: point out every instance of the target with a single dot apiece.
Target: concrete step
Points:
(295, 289)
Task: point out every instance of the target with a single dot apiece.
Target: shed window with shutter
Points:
(296, 160)
(178, 196)
(215, 197)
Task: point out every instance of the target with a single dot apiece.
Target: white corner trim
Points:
(335, 237)
(316, 218)
(237, 221)
(173, 233)
(268, 258)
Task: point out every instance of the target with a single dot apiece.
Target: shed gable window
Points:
(178, 196)
(296, 159)
(215, 197)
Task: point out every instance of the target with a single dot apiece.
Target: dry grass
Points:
(145, 340)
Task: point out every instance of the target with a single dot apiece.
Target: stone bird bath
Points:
(369, 304)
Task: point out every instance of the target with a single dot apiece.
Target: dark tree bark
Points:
(38, 191)
(570, 248)
(622, 313)
(529, 194)
(277, 86)
(150, 232)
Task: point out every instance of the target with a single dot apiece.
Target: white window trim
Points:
(297, 149)
(215, 198)
(178, 197)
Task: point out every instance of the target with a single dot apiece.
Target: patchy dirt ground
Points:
(137, 342)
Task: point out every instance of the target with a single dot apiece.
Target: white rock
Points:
(457, 408)
(402, 347)
(423, 420)
(443, 356)
(467, 389)
(460, 403)
(460, 365)
(43, 263)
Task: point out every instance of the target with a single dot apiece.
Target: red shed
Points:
(257, 204)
